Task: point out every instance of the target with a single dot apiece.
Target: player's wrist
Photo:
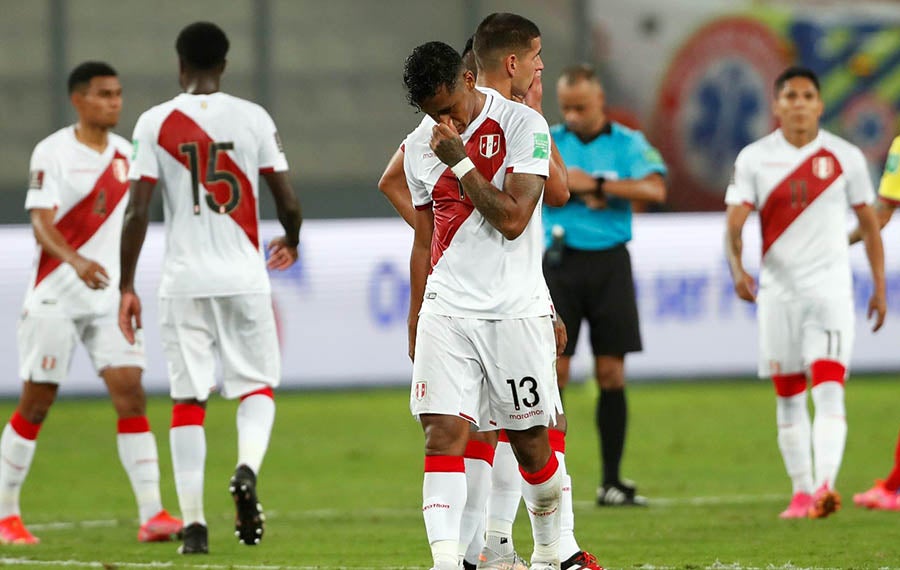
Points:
(599, 181)
(463, 167)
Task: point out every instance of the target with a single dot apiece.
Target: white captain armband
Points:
(463, 167)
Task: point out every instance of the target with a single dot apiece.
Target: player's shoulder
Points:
(839, 145)
(120, 143)
(421, 134)
(156, 113)
(895, 145)
(761, 148)
(243, 105)
(513, 112)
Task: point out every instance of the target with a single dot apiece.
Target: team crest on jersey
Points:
(36, 180)
(823, 167)
(120, 169)
(48, 363)
(420, 390)
(489, 145)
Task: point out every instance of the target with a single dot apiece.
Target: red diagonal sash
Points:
(80, 223)
(180, 129)
(449, 210)
(795, 193)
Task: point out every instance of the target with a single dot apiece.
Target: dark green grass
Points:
(342, 484)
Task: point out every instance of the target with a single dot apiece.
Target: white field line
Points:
(387, 512)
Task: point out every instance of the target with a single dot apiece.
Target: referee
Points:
(587, 265)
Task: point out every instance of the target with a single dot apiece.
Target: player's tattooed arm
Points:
(283, 250)
(393, 185)
(54, 243)
(419, 265)
(508, 211)
(870, 230)
(744, 284)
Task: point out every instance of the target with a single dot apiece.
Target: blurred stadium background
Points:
(695, 75)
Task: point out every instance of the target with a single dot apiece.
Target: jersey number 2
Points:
(213, 175)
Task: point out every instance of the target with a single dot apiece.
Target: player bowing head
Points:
(509, 44)
(798, 105)
(438, 84)
(96, 94)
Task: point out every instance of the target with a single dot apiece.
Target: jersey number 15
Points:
(213, 175)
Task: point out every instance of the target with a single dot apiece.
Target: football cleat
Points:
(196, 540)
(249, 518)
(490, 559)
(544, 566)
(825, 502)
(799, 507)
(621, 494)
(13, 531)
(580, 560)
(878, 498)
(162, 527)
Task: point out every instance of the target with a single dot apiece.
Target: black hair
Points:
(202, 46)
(427, 68)
(791, 73)
(468, 56)
(502, 31)
(81, 76)
(580, 72)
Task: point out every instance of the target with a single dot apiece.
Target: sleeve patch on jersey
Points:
(134, 150)
(541, 146)
(893, 161)
(278, 143)
(36, 180)
(652, 156)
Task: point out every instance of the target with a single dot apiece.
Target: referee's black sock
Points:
(611, 418)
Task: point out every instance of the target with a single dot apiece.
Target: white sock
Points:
(568, 546)
(255, 416)
(792, 416)
(829, 431)
(476, 544)
(542, 492)
(443, 501)
(137, 451)
(188, 443)
(478, 487)
(503, 500)
(16, 454)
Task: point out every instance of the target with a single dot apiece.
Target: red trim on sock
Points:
(187, 415)
(827, 371)
(24, 427)
(545, 473)
(134, 425)
(787, 385)
(557, 440)
(267, 391)
(480, 450)
(445, 464)
(502, 436)
(892, 483)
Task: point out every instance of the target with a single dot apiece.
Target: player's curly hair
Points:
(427, 68)
(202, 46)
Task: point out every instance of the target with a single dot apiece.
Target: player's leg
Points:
(189, 345)
(518, 357)
(251, 369)
(885, 493)
(479, 461)
(45, 347)
(502, 506)
(446, 372)
(615, 331)
(779, 359)
(827, 344)
(121, 365)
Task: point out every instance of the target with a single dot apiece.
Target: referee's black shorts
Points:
(597, 286)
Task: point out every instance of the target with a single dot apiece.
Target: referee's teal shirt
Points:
(617, 153)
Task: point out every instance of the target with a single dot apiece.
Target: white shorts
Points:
(239, 330)
(794, 334)
(47, 342)
(463, 363)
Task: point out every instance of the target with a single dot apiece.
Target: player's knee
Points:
(444, 435)
(35, 412)
(610, 373)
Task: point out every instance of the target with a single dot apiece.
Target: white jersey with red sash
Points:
(89, 191)
(207, 152)
(476, 272)
(803, 195)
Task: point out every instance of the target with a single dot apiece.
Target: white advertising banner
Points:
(342, 309)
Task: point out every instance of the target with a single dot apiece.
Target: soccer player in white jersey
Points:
(76, 199)
(802, 180)
(480, 333)
(208, 149)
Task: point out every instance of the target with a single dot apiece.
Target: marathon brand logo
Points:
(435, 506)
(36, 180)
(526, 415)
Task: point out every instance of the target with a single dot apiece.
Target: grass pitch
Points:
(342, 485)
